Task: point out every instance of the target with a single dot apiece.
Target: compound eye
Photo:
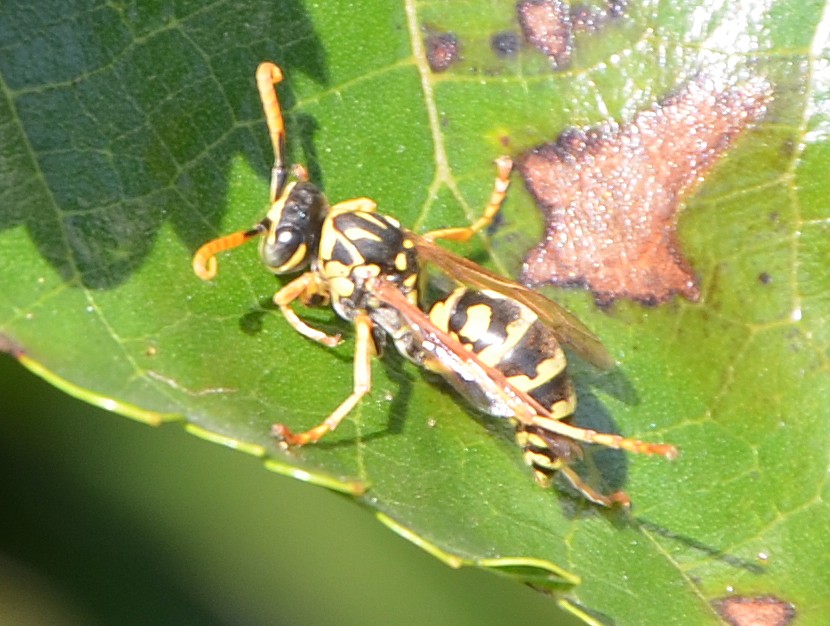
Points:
(285, 251)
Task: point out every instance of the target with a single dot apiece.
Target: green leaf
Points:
(132, 133)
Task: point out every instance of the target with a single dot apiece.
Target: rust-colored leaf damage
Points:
(546, 24)
(443, 50)
(610, 194)
(760, 611)
(550, 25)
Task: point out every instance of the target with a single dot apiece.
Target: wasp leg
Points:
(304, 287)
(299, 172)
(608, 440)
(549, 454)
(618, 497)
(364, 348)
(503, 164)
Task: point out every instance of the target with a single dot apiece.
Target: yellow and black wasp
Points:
(496, 342)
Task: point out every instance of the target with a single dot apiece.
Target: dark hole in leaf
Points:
(505, 44)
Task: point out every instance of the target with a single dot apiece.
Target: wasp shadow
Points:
(698, 546)
(252, 324)
(103, 156)
(604, 469)
(399, 401)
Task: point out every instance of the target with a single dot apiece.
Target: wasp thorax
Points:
(293, 228)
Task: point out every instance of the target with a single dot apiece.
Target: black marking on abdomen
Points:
(536, 346)
(502, 313)
(557, 389)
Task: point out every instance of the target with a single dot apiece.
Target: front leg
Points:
(305, 287)
(364, 348)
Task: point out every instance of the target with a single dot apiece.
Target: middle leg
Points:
(364, 348)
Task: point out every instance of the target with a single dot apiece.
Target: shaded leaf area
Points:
(130, 134)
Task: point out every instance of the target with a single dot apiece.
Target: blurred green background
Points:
(109, 521)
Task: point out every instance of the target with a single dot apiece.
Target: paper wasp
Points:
(498, 343)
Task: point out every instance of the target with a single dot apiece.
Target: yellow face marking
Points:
(275, 212)
(295, 259)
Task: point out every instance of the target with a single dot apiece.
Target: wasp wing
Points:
(569, 330)
(485, 386)
(437, 351)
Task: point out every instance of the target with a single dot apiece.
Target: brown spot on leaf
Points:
(610, 194)
(546, 24)
(443, 49)
(760, 611)
(10, 346)
(589, 18)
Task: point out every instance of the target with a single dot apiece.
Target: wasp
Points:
(498, 343)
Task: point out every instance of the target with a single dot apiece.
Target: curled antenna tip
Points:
(205, 267)
(670, 452)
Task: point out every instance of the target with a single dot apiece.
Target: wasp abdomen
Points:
(507, 336)
(546, 452)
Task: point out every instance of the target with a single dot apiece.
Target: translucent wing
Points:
(442, 354)
(462, 368)
(438, 352)
(569, 330)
